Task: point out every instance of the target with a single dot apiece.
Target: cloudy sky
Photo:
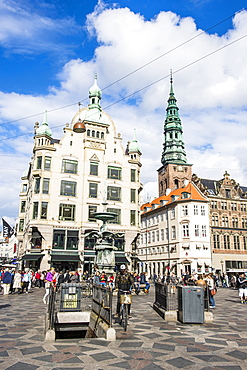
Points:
(50, 51)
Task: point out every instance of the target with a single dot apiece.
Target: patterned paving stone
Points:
(238, 354)
(22, 366)
(103, 356)
(211, 358)
(131, 344)
(180, 362)
(30, 351)
(163, 346)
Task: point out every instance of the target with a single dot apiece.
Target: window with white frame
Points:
(197, 231)
(204, 231)
(173, 213)
(215, 220)
(153, 236)
(173, 232)
(203, 212)
(162, 234)
(185, 210)
(196, 210)
(157, 235)
(149, 237)
(186, 233)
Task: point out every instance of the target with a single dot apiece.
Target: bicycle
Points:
(124, 299)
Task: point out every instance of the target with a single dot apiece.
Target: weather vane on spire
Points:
(171, 76)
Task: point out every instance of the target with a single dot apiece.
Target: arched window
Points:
(93, 133)
(97, 134)
(88, 132)
(102, 135)
(176, 182)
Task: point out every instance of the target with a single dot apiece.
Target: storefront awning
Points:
(32, 256)
(64, 257)
(120, 259)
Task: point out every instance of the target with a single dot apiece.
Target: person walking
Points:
(211, 290)
(26, 281)
(242, 281)
(48, 283)
(17, 282)
(7, 279)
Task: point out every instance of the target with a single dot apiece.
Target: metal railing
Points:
(166, 296)
(102, 303)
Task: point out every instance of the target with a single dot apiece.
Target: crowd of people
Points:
(16, 281)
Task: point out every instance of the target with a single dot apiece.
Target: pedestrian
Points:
(48, 283)
(124, 282)
(103, 279)
(17, 282)
(26, 281)
(96, 278)
(37, 279)
(211, 290)
(173, 283)
(7, 279)
(242, 281)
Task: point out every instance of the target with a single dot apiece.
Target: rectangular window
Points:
(94, 168)
(215, 220)
(91, 211)
(243, 207)
(173, 213)
(113, 193)
(68, 188)
(39, 162)
(37, 185)
(132, 217)
(35, 210)
(162, 234)
(245, 243)
(233, 206)
(21, 225)
(161, 217)
(23, 206)
(216, 239)
(204, 231)
(224, 221)
(197, 232)
(167, 233)
(47, 164)
(114, 173)
(186, 231)
(173, 232)
(195, 210)
(72, 240)
(44, 208)
(58, 239)
(93, 190)
(203, 211)
(153, 236)
(67, 212)
(24, 188)
(226, 239)
(46, 185)
(157, 235)
(69, 166)
(133, 195)
(214, 204)
(117, 219)
(223, 205)
(185, 210)
(235, 222)
(133, 175)
(236, 242)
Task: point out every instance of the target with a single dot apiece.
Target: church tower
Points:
(175, 169)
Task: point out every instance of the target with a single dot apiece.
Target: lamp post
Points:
(222, 265)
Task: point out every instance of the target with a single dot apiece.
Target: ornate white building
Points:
(67, 181)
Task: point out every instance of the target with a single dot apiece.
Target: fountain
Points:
(104, 246)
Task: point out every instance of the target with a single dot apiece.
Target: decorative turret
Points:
(94, 95)
(44, 129)
(134, 145)
(173, 151)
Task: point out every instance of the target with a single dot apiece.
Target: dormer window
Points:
(185, 195)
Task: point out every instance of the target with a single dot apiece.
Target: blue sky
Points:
(49, 51)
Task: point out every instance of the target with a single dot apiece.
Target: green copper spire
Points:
(44, 129)
(173, 147)
(134, 145)
(94, 95)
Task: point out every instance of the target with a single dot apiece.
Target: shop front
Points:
(64, 262)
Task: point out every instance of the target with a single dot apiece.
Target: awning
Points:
(135, 258)
(32, 256)
(65, 257)
(120, 259)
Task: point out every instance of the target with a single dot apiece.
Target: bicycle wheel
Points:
(125, 317)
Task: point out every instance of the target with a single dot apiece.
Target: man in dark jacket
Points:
(7, 279)
(124, 281)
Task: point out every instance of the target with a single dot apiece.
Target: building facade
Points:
(228, 222)
(66, 183)
(175, 233)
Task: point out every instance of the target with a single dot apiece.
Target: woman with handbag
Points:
(211, 290)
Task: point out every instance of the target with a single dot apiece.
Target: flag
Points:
(8, 230)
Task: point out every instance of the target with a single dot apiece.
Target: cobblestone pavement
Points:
(149, 344)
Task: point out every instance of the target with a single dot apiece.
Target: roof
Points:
(192, 193)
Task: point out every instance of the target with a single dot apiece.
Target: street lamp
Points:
(222, 264)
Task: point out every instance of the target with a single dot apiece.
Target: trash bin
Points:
(70, 298)
(191, 304)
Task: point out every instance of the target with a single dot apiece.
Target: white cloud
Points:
(211, 93)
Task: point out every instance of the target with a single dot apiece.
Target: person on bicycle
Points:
(124, 282)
